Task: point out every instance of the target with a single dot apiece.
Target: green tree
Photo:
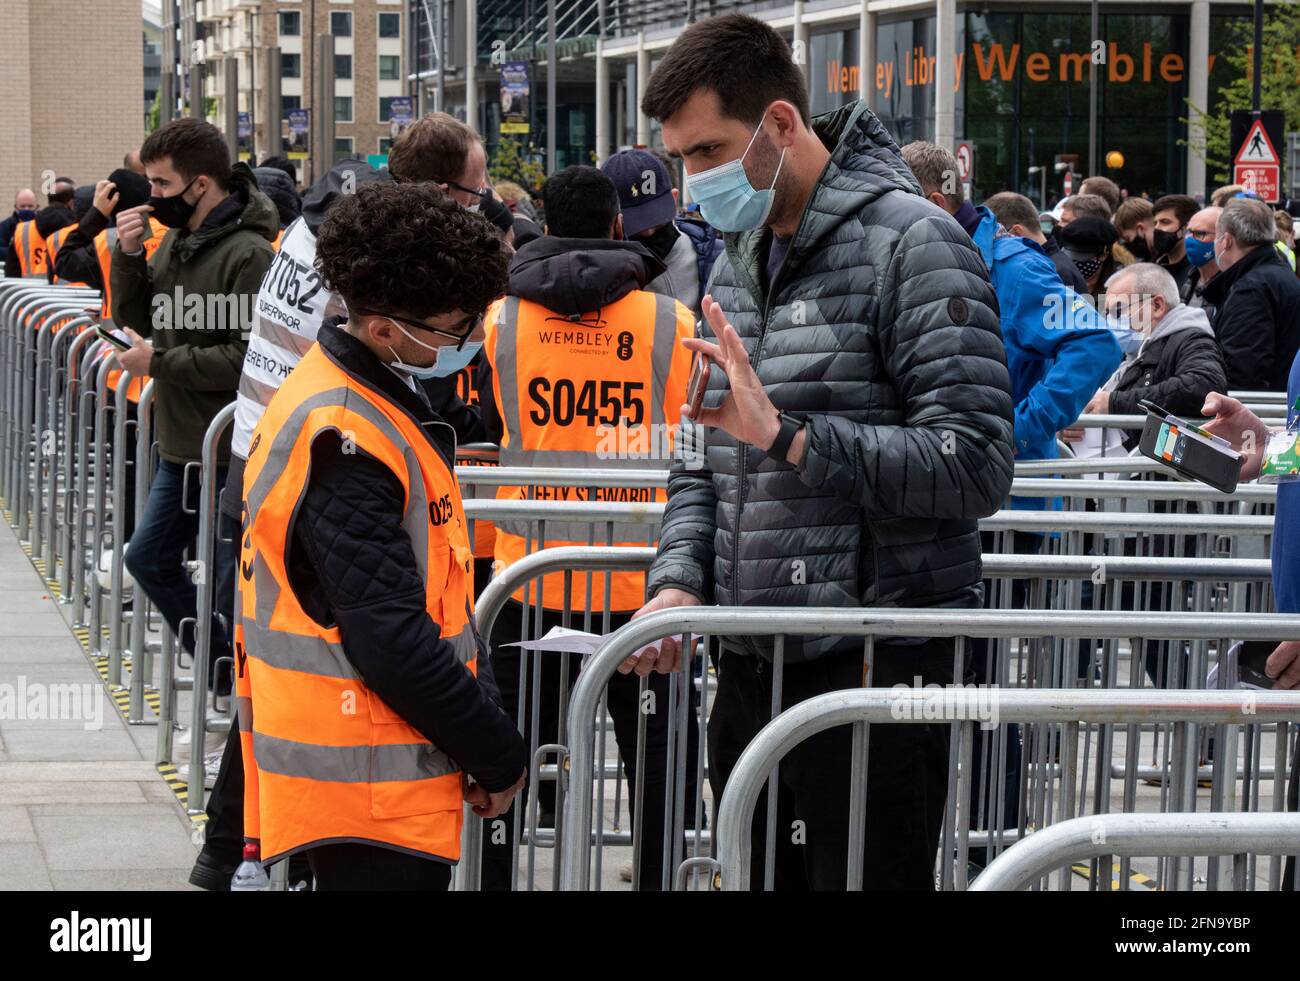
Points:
(511, 162)
(1279, 82)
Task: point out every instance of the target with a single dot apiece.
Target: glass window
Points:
(342, 148)
(290, 66)
(290, 23)
(342, 66)
(385, 144)
(386, 107)
(343, 108)
(341, 23)
(390, 25)
(390, 67)
(288, 102)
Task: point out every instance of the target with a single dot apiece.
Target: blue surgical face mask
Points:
(449, 361)
(727, 200)
(1198, 252)
(1129, 339)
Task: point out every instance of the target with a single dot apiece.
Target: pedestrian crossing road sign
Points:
(1257, 166)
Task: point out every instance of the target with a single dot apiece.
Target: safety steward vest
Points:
(600, 392)
(52, 246)
(30, 246)
(485, 532)
(105, 243)
(326, 760)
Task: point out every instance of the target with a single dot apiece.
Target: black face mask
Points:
(174, 211)
(1141, 251)
(661, 241)
(1088, 267)
(1166, 241)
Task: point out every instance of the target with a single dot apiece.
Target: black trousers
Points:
(625, 707)
(907, 771)
(352, 867)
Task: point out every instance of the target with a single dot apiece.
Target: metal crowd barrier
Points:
(861, 707)
(1134, 835)
(1024, 669)
(1047, 778)
(65, 440)
(203, 572)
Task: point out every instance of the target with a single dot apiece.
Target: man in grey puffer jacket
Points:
(859, 424)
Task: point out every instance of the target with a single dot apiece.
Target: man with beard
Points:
(855, 426)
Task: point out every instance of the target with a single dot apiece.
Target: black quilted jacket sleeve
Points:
(353, 558)
(937, 329)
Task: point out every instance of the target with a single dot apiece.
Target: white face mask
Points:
(449, 359)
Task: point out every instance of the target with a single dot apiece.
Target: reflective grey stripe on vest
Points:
(350, 764)
(416, 519)
(107, 319)
(315, 655)
(506, 367)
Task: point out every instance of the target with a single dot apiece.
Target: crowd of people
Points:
(876, 352)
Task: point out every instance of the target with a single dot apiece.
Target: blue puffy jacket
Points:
(1059, 350)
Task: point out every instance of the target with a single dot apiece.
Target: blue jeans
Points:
(156, 558)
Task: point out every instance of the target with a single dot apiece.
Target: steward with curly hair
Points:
(362, 718)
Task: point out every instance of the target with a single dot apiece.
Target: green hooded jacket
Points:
(194, 300)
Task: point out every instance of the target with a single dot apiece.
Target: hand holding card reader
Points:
(1189, 450)
(114, 337)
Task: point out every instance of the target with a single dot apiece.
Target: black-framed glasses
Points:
(478, 192)
(1203, 236)
(475, 323)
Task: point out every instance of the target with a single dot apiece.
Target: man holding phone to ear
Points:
(858, 417)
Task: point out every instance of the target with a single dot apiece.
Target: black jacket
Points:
(880, 332)
(1176, 368)
(568, 276)
(352, 565)
(1192, 292)
(77, 261)
(1258, 324)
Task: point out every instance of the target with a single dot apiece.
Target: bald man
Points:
(24, 210)
(1199, 244)
(132, 162)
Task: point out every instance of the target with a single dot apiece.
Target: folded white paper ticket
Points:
(563, 640)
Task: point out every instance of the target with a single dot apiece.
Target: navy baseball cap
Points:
(645, 192)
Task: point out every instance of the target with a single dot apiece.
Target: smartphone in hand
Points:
(121, 343)
(695, 388)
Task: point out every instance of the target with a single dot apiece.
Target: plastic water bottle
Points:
(250, 876)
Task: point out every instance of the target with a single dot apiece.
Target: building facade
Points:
(1015, 75)
(367, 73)
(71, 130)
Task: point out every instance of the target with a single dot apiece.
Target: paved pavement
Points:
(82, 805)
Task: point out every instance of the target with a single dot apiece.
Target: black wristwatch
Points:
(784, 437)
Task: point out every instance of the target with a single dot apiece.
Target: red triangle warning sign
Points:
(1257, 148)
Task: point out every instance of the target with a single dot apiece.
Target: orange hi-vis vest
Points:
(325, 759)
(485, 532)
(279, 237)
(30, 246)
(105, 243)
(52, 246)
(600, 392)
